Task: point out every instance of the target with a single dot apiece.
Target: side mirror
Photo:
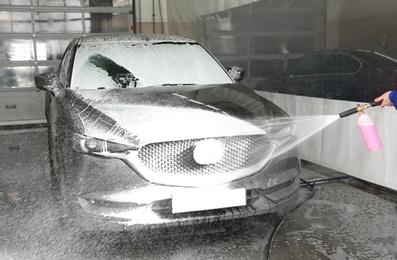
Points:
(236, 73)
(46, 81)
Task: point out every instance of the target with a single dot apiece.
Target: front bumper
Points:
(111, 197)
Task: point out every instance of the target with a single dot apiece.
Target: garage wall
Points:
(262, 37)
(332, 24)
(151, 16)
(185, 16)
(363, 24)
(189, 10)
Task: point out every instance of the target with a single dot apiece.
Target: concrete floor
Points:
(344, 219)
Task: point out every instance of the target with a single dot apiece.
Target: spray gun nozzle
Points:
(359, 109)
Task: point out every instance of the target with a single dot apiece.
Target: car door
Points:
(301, 78)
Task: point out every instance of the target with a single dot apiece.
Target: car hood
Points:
(168, 113)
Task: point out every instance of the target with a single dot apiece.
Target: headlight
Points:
(282, 131)
(91, 145)
(285, 135)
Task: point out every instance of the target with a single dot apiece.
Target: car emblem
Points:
(208, 151)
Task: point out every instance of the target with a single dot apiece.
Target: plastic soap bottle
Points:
(369, 132)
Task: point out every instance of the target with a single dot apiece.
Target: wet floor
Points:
(336, 219)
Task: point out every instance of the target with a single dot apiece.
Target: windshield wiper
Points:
(175, 43)
(177, 84)
(120, 75)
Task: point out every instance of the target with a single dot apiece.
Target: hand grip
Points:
(374, 104)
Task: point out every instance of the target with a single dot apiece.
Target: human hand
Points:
(385, 100)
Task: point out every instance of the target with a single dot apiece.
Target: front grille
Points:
(176, 157)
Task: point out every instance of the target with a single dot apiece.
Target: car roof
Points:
(340, 51)
(134, 38)
(358, 53)
(373, 58)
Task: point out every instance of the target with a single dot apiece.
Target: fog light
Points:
(208, 151)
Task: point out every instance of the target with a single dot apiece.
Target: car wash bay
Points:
(338, 217)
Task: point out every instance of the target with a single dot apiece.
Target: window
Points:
(340, 64)
(310, 65)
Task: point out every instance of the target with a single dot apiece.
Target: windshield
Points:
(128, 64)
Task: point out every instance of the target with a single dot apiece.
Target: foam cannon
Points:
(366, 124)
